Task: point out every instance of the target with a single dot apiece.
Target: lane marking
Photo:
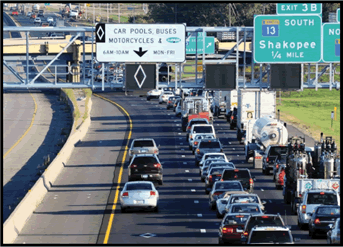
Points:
(229, 142)
(199, 215)
(203, 230)
(185, 163)
(190, 180)
(110, 222)
(183, 156)
(180, 138)
(193, 190)
(187, 171)
(237, 155)
(262, 189)
(28, 129)
(179, 133)
(196, 201)
(181, 143)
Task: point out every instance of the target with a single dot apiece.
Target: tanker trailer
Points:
(261, 134)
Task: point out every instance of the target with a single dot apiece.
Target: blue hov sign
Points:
(209, 45)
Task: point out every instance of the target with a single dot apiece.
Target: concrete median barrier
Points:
(16, 221)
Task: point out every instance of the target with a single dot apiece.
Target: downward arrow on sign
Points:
(140, 52)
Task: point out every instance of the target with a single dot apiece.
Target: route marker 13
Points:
(270, 28)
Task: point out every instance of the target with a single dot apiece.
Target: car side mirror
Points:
(289, 227)
(330, 226)
(159, 145)
(264, 202)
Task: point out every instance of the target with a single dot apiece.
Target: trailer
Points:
(219, 102)
(253, 104)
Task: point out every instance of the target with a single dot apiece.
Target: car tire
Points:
(278, 187)
(218, 214)
(193, 152)
(160, 182)
(213, 206)
(202, 180)
(220, 242)
(207, 192)
(190, 147)
(263, 172)
(293, 209)
(160, 102)
(232, 127)
(123, 210)
(156, 209)
(301, 226)
(313, 235)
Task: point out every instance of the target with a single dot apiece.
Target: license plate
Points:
(139, 202)
(144, 176)
(143, 151)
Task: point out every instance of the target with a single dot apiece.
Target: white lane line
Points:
(196, 201)
(217, 124)
(183, 156)
(181, 143)
(168, 114)
(190, 180)
(175, 121)
(193, 190)
(177, 124)
(199, 215)
(234, 149)
(237, 155)
(182, 149)
(187, 171)
(262, 189)
(229, 142)
(185, 163)
(179, 133)
(203, 230)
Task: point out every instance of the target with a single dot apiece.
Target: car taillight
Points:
(236, 170)
(169, 101)
(198, 151)
(321, 193)
(155, 151)
(221, 180)
(267, 159)
(227, 230)
(231, 117)
(157, 165)
(265, 216)
(277, 166)
(152, 193)
(245, 233)
(191, 137)
(210, 178)
(251, 181)
(195, 143)
(316, 221)
(258, 157)
(303, 209)
(133, 166)
(189, 127)
(217, 193)
(125, 194)
(300, 195)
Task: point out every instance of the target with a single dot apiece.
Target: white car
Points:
(313, 199)
(138, 195)
(153, 94)
(201, 129)
(212, 156)
(224, 204)
(164, 97)
(251, 208)
(270, 235)
(37, 20)
(28, 14)
(178, 109)
(50, 19)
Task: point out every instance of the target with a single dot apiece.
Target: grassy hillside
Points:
(310, 111)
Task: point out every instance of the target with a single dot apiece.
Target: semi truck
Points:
(301, 174)
(253, 104)
(35, 8)
(262, 133)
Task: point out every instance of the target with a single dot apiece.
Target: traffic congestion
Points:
(230, 189)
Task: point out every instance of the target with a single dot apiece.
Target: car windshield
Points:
(324, 198)
(198, 122)
(214, 156)
(208, 162)
(227, 165)
(270, 236)
(245, 209)
(264, 220)
(328, 210)
(229, 186)
(275, 151)
(209, 144)
(216, 171)
(235, 219)
(241, 199)
(147, 143)
(202, 129)
(144, 160)
(236, 174)
(139, 186)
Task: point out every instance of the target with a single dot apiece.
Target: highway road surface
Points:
(78, 208)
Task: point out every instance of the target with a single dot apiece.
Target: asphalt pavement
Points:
(77, 210)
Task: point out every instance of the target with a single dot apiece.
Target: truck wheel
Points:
(232, 127)
(160, 182)
(148, 99)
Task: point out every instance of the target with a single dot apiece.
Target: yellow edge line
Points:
(32, 120)
(109, 226)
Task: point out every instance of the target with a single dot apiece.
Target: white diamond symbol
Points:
(147, 235)
(100, 35)
(140, 84)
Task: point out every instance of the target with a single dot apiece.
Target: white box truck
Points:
(219, 102)
(253, 104)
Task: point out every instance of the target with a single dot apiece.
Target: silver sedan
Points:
(139, 195)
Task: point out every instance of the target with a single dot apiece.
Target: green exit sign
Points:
(331, 45)
(287, 38)
(299, 8)
(47, 4)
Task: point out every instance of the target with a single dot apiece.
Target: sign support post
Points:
(103, 77)
(175, 77)
(196, 57)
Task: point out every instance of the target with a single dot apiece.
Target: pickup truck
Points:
(15, 13)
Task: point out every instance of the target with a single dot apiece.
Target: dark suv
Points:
(262, 220)
(243, 175)
(231, 117)
(207, 146)
(272, 153)
(146, 167)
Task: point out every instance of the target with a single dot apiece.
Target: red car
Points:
(231, 228)
(15, 13)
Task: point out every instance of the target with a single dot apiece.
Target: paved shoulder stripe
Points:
(27, 131)
(110, 222)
